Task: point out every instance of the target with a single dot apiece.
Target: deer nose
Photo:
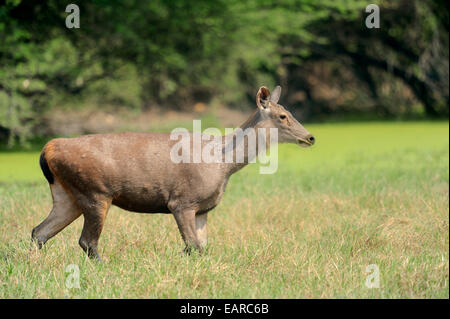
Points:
(311, 139)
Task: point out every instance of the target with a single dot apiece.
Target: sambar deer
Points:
(134, 171)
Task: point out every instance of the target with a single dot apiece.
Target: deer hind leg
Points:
(201, 229)
(186, 224)
(64, 212)
(94, 217)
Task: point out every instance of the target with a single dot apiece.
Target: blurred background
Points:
(373, 190)
(150, 65)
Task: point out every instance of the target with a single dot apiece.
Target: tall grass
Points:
(365, 194)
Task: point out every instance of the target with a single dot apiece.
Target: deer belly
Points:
(141, 201)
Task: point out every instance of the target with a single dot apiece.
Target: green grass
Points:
(372, 193)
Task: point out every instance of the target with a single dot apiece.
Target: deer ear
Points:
(262, 97)
(275, 96)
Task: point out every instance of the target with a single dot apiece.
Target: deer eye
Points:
(282, 116)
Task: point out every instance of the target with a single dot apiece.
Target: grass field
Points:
(367, 193)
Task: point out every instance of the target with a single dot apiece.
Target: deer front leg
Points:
(186, 224)
(200, 227)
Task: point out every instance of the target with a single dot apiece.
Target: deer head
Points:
(274, 115)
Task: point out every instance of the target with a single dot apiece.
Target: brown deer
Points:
(134, 171)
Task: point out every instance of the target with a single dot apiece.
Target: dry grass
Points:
(308, 231)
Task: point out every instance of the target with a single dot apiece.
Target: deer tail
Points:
(45, 168)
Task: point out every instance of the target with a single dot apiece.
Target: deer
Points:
(133, 171)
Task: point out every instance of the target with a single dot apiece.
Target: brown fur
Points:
(134, 171)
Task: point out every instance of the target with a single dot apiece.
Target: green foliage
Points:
(177, 52)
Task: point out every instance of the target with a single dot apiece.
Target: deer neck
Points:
(231, 146)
